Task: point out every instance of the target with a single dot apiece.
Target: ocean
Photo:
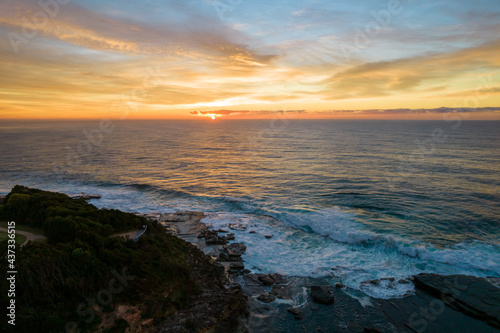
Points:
(350, 200)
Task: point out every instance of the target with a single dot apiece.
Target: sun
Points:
(213, 117)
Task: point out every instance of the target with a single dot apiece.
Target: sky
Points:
(381, 59)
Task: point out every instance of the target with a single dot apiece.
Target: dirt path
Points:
(29, 236)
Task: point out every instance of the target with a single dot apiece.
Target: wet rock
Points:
(296, 312)
(339, 285)
(182, 216)
(278, 278)
(266, 279)
(237, 226)
(252, 280)
(222, 231)
(475, 297)
(268, 236)
(387, 282)
(368, 329)
(236, 265)
(281, 292)
(212, 238)
(253, 232)
(85, 196)
(230, 237)
(236, 249)
(322, 294)
(266, 298)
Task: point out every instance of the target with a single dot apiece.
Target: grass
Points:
(20, 239)
(35, 231)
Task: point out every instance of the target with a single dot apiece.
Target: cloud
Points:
(411, 111)
(246, 112)
(386, 78)
(197, 36)
(343, 112)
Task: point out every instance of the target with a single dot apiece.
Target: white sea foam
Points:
(356, 254)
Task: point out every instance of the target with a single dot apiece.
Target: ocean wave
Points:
(472, 256)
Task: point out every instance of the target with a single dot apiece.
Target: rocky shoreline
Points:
(276, 303)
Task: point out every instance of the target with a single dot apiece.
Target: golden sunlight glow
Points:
(85, 63)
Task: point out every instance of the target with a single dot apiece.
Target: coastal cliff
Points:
(89, 275)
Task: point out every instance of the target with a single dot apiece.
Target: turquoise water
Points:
(370, 199)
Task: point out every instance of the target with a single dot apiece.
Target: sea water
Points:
(354, 200)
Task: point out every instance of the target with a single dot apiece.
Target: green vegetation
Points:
(78, 263)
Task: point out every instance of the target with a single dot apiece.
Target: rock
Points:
(391, 282)
(278, 278)
(281, 291)
(266, 279)
(296, 312)
(253, 232)
(230, 237)
(153, 216)
(211, 240)
(236, 249)
(268, 236)
(236, 265)
(266, 298)
(237, 226)
(339, 285)
(182, 216)
(322, 294)
(223, 256)
(222, 231)
(172, 229)
(367, 329)
(475, 297)
(211, 237)
(85, 196)
(252, 280)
